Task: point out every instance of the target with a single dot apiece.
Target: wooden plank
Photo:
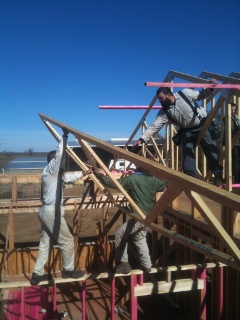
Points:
(75, 235)
(69, 204)
(214, 223)
(209, 119)
(11, 229)
(220, 77)
(105, 275)
(141, 121)
(20, 178)
(111, 176)
(178, 181)
(14, 189)
(201, 78)
(163, 287)
(161, 205)
(199, 247)
(4, 304)
(152, 140)
(71, 153)
(160, 171)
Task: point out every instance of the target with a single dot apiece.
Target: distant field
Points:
(6, 157)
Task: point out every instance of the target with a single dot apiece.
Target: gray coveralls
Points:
(142, 187)
(51, 213)
(182, 113)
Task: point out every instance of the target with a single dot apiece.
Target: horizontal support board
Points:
(162, 287)
(104, 275)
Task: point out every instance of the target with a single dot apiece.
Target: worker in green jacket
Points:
(142, 187)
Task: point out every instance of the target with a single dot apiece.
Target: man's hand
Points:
(213, 81)
(98, 174)
(64, 129)
(96, 171)
(87, 172)
(136, 144)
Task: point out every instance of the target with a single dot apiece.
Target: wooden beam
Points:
(141, 121)
(194, 245)
(213, 222)
(220, 77)
(71, 153)
(20, 178)
(105, 275)
(209, 119)
(161, 205)
(160, 171)
(178, 181)
(184, 76)
(111, 176)
(163, 287)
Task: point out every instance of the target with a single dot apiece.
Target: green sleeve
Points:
(161, 185)
(124, 182)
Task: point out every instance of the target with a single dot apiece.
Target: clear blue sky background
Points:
(64, 58)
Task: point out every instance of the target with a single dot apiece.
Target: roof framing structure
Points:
(177, 183)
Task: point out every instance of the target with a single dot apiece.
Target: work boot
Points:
(123, 267)
(74, 274)
(218, 181)
(146, 270)
(39, 278)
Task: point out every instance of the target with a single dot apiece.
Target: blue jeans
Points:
(209, 147)
(54, 227)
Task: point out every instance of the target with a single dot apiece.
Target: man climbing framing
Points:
(182, 110)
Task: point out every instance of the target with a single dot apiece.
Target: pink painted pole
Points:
(84, 300)
(234, 185)
(54, 293)
(133, 298)
(201, 274)
(193, 85)
(129, 107)
(220, 293)
(113, 288)
(204, 302)
(23, 303)
(16, 305)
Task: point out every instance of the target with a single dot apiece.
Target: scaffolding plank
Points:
(163, 287)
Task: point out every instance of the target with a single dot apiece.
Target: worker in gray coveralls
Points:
(142, 188)
(182, 110)
(51, 215)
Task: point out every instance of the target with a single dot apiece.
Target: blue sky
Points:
(64, 58)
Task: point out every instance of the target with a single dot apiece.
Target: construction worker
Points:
(142, 188)
(235, 127)
(51, 215)
(182, 110)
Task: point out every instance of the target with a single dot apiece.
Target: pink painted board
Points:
(193, 85)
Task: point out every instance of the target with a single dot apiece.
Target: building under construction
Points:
(194, 230)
